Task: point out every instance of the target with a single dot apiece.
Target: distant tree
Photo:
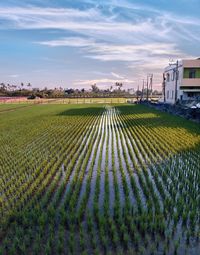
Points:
(119, 85)
(3, 87)
(156, 92)
(8, 87)
(95, 89)
(69, 91)
(138, 93)
(29, 85)
(13, 87)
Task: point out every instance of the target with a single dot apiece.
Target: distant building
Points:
(181, 81)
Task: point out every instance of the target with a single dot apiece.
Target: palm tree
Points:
(119, 85)
(29, 85)
(13, 87)
(21, 85)
(2, 86)
(8, 86)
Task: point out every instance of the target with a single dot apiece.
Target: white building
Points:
(182, 81)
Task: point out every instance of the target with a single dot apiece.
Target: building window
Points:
(168, 94)
(168, 76)
(192, 74)
(172, 94)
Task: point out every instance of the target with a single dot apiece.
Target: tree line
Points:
(26, 90)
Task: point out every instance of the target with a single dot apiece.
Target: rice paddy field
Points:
(98, 179)
(23, 100)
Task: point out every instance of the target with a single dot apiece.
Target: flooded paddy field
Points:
(98, 179)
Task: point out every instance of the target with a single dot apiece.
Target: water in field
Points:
(98, 180)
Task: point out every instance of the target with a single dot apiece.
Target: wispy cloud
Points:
(118, 76)
(160, 25)
(140, 37)
(13, 75)
(117, 52)
(70, 41)
(103, 83)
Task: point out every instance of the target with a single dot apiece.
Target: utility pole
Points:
(147, 87)
(142, 90)
(176, 81)
(150, 85)
(164, 83)
(138, 92)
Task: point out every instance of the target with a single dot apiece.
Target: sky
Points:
(74, 44)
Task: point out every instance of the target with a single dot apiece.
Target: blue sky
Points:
(77, 43)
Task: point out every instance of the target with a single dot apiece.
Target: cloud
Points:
(95, 22)
(13, 75)
(103, 82)
(140, 37)
(117, 52)
(117, 75)
(70, 41)
(54, 18)
(157, 25)
(137, 52)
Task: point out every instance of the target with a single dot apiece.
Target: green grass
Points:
(4, 107)
(61, 164)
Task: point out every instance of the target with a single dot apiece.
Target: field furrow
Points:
(98, 179)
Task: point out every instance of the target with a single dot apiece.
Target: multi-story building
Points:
(182, 81)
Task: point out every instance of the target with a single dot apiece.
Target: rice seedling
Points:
(98, 180)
